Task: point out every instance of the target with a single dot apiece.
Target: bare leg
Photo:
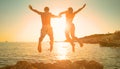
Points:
(39, 46)
(78, 40)
(73, 35)
(50, 33)
(40, 40)
(70, 40)
(51, 46)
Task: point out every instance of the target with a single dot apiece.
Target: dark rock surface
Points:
(60, 64)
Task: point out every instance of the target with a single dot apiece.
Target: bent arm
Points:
(55, 16)
(34, 9)
(62, 13)
(80, 9)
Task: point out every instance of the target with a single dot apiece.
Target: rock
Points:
(60, 64)
(63, 64)
(23, 65)
(39, 65)
(94, 65)
(80, 64)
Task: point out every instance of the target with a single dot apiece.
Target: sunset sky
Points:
(19, 23)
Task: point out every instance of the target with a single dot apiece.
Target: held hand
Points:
(59, 15)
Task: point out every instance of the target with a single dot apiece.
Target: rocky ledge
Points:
(60, 64)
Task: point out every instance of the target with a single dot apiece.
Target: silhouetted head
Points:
(46, 9)
(70, 9)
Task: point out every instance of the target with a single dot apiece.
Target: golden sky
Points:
(19, 23)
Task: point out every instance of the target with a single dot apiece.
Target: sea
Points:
(11, 52)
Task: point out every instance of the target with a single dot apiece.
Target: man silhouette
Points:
(46, 26)
(70, 28)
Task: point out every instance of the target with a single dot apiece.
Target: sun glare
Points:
(58, 25)
(61, 50)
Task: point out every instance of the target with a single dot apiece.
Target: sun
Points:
(58, 25)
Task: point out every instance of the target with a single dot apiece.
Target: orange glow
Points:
(58, 25)
(25, 25)
(61, 51)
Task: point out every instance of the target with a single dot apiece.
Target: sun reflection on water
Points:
(62, 50)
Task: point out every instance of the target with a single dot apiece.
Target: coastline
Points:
(105, 40)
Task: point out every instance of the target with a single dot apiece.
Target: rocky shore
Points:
(60, 64)
(105, 40)
(111, 40)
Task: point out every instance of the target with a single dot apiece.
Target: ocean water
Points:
(12, 52)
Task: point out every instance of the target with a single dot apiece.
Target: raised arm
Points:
(80, 9)
(34, 9)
